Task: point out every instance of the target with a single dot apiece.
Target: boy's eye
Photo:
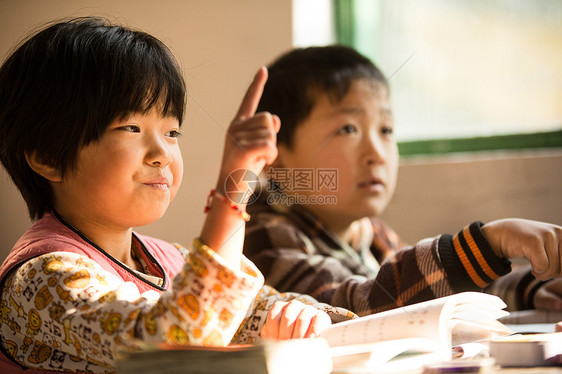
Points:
(347, 129)
(387, 130)
(173, 134)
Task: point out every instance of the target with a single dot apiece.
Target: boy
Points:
(315, 229)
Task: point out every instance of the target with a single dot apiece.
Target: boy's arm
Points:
(517, 289)
(539, 242)
(385, 240)
(431, 268)
(292, 262)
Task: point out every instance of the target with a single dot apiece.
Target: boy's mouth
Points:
(371, 184)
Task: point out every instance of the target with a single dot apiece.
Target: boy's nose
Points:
(372, 150)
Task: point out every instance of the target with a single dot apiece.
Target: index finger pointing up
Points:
(253, 95)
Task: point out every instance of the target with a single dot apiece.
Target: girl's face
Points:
(125, 179)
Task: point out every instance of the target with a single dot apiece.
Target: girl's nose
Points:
(158, 153)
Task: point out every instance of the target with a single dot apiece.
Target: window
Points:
(313, 23)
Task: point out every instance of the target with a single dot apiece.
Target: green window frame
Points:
(511, 142)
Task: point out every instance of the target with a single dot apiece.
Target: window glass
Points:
(466, 68)
(313, 23)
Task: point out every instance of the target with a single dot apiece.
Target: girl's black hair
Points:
(65, 85)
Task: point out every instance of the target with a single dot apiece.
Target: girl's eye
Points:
(347, 129)
(130, 128)
(173, 134)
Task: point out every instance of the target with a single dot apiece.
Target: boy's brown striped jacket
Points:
(296, 253)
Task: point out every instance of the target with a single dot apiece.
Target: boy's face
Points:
(354, 137)
(127, 178)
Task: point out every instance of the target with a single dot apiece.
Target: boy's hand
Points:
(251, 138)
(294, 320)
(549, 296)
(539, 242)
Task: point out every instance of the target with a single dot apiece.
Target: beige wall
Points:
(443, 194)
(219, 43)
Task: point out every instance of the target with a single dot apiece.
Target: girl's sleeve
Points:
(70, 303)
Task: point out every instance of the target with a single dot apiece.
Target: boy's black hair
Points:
(64, 86)
(297, 77)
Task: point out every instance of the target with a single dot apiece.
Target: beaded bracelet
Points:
(215, 194)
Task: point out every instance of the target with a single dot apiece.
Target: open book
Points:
(420, 333)
(416, 334)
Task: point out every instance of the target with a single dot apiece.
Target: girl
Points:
(90, 117)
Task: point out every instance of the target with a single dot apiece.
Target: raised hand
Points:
(539, 242)
(250, 142)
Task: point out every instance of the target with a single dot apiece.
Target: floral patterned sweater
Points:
(72, 307)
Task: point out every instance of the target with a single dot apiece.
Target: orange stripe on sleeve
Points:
(467, 265)
(478, 255)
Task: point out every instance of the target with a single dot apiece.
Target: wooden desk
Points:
(537, 370)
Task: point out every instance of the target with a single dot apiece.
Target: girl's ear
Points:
(45, 170)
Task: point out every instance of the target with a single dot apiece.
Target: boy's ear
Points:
(45, 170)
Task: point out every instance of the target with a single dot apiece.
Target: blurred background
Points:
(476, 88)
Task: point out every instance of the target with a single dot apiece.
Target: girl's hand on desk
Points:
(539, 242)
(294, 320)
(558, 327)
(549, 296)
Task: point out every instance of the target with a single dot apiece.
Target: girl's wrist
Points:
(217, 197)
